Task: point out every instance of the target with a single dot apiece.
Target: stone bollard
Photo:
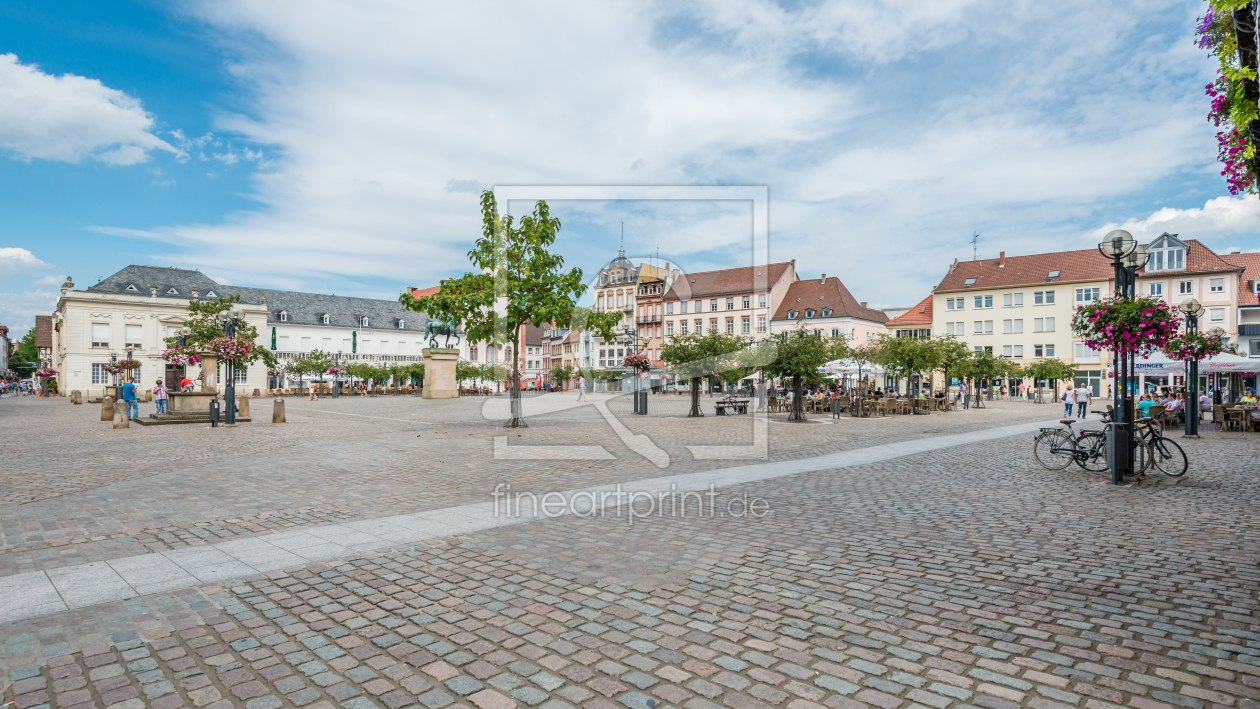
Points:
(242, 407)
(76, 397)
(120, 415)
(277, 411)
(107, 408)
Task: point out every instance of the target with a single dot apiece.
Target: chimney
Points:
(1001, 259)
(863, 304)
(823, 279)
(953, 265)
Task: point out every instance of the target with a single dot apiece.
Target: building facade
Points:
(1248, 304)
(137, 308)
(914, 322)
(737, 301)
(826, 304)
(1179, 269)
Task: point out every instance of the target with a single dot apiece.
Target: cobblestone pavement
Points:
(965, 577)
(148, 488)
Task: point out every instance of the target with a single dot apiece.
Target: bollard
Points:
(242, 408)
(76, 397)
(277, 411)
(107, 408)
(120, 415)
(214, 413)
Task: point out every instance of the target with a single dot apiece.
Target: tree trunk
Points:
(695, 398)
(798, 406)
(514, 396)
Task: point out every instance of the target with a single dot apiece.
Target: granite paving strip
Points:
(100, 582)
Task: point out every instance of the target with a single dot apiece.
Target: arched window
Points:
(284, 316)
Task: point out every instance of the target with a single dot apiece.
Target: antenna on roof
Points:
(975, 236)
(622, 250)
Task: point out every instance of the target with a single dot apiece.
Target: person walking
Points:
(160, 396)
(312, 397)
(962, 391)
(581, 387)
(1069, 398)
(1084, 397)
(129, 396)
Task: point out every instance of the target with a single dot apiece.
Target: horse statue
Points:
(439, 327)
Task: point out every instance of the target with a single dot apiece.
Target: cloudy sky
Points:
(340, 146)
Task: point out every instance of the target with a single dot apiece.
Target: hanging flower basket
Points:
(45, 372)
(233, 349)
(183, 356)
(128, 365)
(1135, 326)
(1194, 347)
(638, 362)
(337, 369)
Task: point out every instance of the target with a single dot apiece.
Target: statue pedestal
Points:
(439, 373)
(209, 365)
(193, 403)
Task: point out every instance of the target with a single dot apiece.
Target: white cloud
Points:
(18, 310)
(51, 279)
(15, 260)
(1219, 217)
(68, 118)
(887, 131)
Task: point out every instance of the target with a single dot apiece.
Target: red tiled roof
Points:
(1250, 262)
(832, 294)
(920, 314)
(422, 292)
(727, 280)
(43, 331)
(1200, 258)
(533, 335)
(1083, 265)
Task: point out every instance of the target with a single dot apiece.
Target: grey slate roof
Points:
(301, 308)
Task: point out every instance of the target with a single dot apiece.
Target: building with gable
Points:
(825, 304)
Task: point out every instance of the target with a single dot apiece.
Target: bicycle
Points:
(1055, 450)
(1166, 454)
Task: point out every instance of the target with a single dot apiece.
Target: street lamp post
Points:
(631, 339)
(229, 319)
(113, 358)
(1192, 309)
(1126, 257)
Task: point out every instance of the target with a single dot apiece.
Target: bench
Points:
(736, 406)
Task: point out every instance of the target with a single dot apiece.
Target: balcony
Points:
(647, 319)
(1249, 329)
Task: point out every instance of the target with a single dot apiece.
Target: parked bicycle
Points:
(1056, 449)
(1166, 454)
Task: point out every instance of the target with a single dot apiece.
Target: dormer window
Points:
(172, 291)
(791, 315)
(324, 318)
(402, 324)
(1166, 254)
(132, 287)
(211, 294)
(969, 282)
(809, 312)
(826, 312)
(363, 321)
(284, 316)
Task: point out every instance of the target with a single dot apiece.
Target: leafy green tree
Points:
(695, 356)
(982, 366)
(317, 362)
(799, 354)
(466, 371)
(908, 356)
(953, 355)
(25, 359)
(518, 281)
(563, 374)
(1050, 370)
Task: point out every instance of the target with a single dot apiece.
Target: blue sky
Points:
(339, 147)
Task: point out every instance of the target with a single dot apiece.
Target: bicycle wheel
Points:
(1054, 450)
(1092, 452)
(1169, 458)
(1141, 456)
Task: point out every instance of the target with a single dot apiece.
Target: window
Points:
(730, 326)
(761, 323)
(949, 303)
(1019, 350)
(699, 306)
(1216, 285)
(960, 329)
(472, 354)
(211, 294)
(669, 328)
(747, 302)
(132, 335)
(713, 305)
(835, 332)
(363, 321)
(402, 324)
(988, 301)
(979, 301)
(730, 303)
(1049, 324)
(1052, 274)
(1008, 299)
(1086, 295)
(988, 327)
(979, 348)
(761, 300)
(1155, 288)
(100, 334)
(969, 282)
(712, 324)
(682, 327)
(1039, 297)
(1019, 300)
(1049, 350)
(949, 328)
(1019, 325)
(1007, 350)
(1185, 287)
(826, 312)
(699, 326)
(809, 312)
(99, 375)
(1049, 297)
(284, 316)
(746, 325)
(669, 308)
(1255, 348)
(1038, 324)
(132, 287)
(979, 327)
(1084, 353)
(791, 315)
(1037, 351)
(239, 375)
(1217, 314)
(1008, 327)
(682, 307)
(306, 344)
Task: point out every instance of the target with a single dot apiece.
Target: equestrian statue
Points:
(434, 328)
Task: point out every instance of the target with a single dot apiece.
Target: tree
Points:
(863, 356)
(1051, 370)
(465, 371)
(26, 356)
(984, 366)
(908, 356)
(518, 281)
(317, 362)
(953, 355)
(799, 354)
(695, 355)
(205, 327)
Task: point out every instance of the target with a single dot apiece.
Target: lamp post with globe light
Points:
(229, 318)
(1127, 256)
(1191, 308)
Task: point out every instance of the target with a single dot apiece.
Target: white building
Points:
(137, 308)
